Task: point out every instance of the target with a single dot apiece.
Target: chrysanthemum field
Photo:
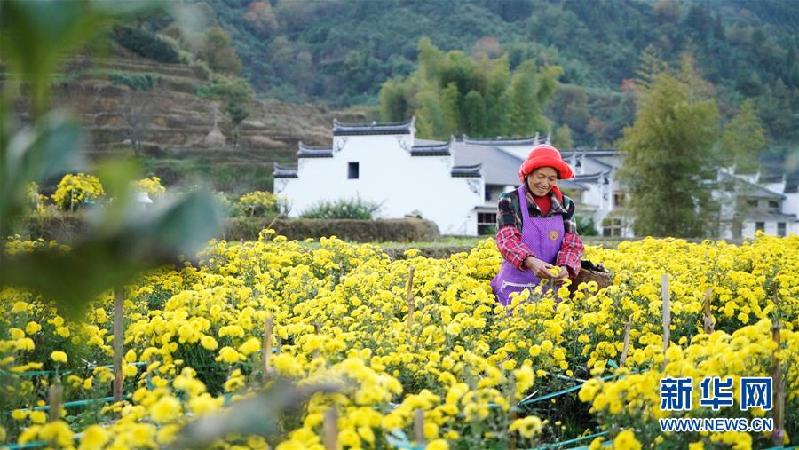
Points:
(540, 373)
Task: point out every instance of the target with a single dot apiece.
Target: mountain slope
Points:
(340, 52)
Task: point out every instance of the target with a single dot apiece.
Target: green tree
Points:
(650, 65)
(668, 157)
(743, 139)
(563, 138)
(218, 53)
(429, 116)
(453, 93)
(524, 116)
(394, 101)
(474, 113)
(497, 118)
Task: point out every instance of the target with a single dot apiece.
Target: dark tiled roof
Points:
(370, 129)
(567, 156)
(593, 151)
(572, 184)
(306, 151)
(420, 141)
(430, 150)
(472, 171)
(591, 177)
(751, 190)
(529, 141)
(283, 172)
(499, 167)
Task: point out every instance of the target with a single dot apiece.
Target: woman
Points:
(536, 231)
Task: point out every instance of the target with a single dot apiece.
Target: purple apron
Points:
(543, 236)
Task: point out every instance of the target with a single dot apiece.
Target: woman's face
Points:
(542, 180)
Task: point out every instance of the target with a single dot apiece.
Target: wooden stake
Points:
(709, 326)
(331, 429)
(56, 391)
(418, 427)
(512, 415)
(318, 330)
(119, 331)
(409, 296)
(626, 347)
(664, 292)
(267, 350)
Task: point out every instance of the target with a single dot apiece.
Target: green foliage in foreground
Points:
(122, 242)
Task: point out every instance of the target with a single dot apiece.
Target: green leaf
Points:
(108, 259)
(33, 154)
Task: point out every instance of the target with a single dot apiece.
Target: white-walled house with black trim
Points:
(384, 163)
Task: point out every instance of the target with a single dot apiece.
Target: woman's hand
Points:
(539, 268)
(563, 274)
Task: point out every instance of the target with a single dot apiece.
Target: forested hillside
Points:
(341, 52)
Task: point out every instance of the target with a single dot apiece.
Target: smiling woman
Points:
(536, 231)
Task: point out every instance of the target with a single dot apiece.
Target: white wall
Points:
(791, 204)
(769, 227)
(391, 176)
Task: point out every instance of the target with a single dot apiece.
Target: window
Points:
(486, 223)
(760, 226)
(773, 204)
(488, 194)
(781, 229)
(618, 199)
(611, 227)
(353, 170)
(751, 203)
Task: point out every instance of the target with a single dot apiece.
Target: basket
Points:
(592, 272)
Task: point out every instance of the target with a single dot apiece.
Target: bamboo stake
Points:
(267, 350)
(56, 391)
(331, 429)
(664, 292)
(409, 296)
(418, 427)
(778, 434)
(709, 326)
(626, 347)
(119, 331)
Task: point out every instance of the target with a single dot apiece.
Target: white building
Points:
(385, 163)
(751, 203)
(457, 183)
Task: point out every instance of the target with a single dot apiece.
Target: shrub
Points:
(258, 203)
(145, 44)
(135, 81)
(342, 209)
(585, 226)
(76, 190)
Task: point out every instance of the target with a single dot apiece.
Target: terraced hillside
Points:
(126, 99)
